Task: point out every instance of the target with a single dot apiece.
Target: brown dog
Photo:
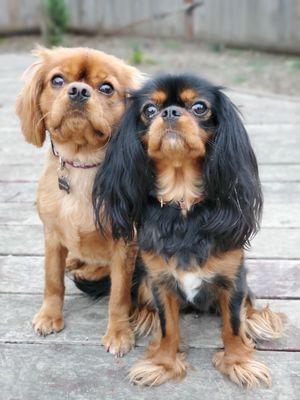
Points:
(77, 95)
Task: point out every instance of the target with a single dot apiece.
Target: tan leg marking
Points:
(50, 319)
(163, 361)
(237, 360)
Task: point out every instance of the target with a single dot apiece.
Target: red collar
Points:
(181, 203)
(74, 164)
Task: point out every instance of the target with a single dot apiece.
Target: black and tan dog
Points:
(182, 172)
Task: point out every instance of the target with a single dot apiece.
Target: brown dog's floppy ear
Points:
(137, 78)
(27, 105)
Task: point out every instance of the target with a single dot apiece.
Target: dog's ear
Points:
(231, 175)
(27, 105)
(121, 184)
(137, 78)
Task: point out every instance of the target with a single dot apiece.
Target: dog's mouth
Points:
(77, 128)
(172, 135)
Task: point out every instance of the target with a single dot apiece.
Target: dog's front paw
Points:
(249, 372)
(154, 372)
(46, 322)
(118, 341)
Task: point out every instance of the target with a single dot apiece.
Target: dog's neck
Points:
(181, 184)
(79, 154)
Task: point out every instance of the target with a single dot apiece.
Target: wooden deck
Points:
(72, 364)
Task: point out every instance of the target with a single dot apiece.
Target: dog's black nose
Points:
(79, 92)
(171, 114)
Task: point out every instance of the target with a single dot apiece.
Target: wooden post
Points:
(189, 20)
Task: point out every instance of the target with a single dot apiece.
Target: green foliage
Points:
(56, 20)
(294, 63)
(216, 47)
(137, 55)
(173, 45)
(239, 80)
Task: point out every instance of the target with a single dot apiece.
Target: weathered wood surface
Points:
(86, 322)
(61, 371)
(72, 364)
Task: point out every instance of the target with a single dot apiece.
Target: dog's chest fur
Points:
(71, 215)
(190, 284)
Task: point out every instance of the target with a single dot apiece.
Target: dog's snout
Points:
(79, 92)
(171, 113)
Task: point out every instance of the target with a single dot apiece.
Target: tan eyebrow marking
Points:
(158, 96)
(188, 95)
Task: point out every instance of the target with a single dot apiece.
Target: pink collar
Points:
(74, 164)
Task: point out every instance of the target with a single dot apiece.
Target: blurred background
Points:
(245, 44)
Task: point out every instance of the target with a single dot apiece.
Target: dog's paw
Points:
(153, 372)
(249, 373)
(44, 323)
(118, 341)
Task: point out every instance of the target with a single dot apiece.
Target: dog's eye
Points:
(106, 88)
(57, 81)
(150, 110)
(199, 108)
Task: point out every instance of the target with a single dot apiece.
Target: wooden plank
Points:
(279, 172)
(26, 275)
(269, 242)
(276, 243)
(49, 372)
(261, 109)
(21, 172)
(282, 147)
(20, 192)
(274, 278)
(23, 240)
(86, 321)
(19, 214)
(281, 215)
(267, 278)
(22, 152)
(281, 192)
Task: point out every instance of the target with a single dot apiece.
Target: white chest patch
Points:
(190, 284)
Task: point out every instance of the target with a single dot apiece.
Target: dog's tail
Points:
(94, 289)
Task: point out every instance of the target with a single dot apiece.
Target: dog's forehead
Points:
(87, 64)
(174, 94)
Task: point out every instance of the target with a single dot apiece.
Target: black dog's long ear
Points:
(120, 186)
(231, 176)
